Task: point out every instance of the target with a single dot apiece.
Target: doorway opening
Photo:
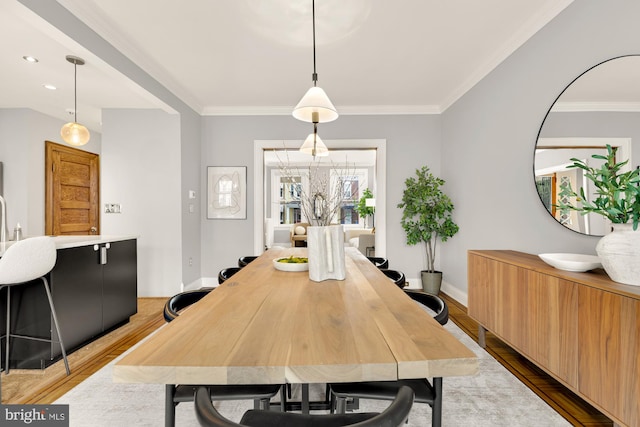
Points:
(277, 204)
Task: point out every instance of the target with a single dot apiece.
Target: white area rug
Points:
(493, 397)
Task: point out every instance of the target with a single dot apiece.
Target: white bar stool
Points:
(24, 261)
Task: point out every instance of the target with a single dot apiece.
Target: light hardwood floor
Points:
(44, 387)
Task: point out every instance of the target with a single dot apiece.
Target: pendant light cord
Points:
(313, 14)
(75, 91)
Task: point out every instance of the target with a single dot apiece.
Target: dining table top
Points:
(266, 326)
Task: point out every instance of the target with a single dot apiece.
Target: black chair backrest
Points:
(395, 275)
(225, 273)
(379, 261)
(244, 260)
(181, 301)
(394, 416)
(434, 302)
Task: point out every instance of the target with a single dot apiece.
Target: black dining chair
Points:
(425, 391)
(175, 394)
(225, 273)
(379, 261)
(395, 415)
(243, 261)
(396, 277)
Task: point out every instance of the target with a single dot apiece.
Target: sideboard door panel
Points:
(610, 352)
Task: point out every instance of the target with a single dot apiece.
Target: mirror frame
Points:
(540, 129)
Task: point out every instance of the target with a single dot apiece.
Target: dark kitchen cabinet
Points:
(94, 289)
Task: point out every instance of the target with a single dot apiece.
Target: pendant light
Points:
(313, 145)
(74, 133)
(315, 105)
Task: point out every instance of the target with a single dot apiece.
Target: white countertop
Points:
(64, 242)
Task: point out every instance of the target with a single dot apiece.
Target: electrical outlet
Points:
(190, 262)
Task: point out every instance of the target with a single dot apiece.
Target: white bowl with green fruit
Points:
(291, 263)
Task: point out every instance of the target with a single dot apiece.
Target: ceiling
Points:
(225, 57)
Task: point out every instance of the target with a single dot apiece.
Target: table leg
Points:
(482, 336)
(305, 398)
(436, 416)
(169, 406)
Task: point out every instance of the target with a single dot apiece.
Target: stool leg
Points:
(55, 322)
(8, 334)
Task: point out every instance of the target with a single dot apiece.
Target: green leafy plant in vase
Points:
(616, 197)
(427, 218)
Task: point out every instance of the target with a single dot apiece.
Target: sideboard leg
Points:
(482, 332)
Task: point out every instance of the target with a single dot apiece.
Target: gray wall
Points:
(140, 169)
(489, 135)
(187, 141)
(22, 154)
(595, 125)
(412, 141)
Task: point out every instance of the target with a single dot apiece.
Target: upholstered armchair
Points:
(361, 238)
(299, 234)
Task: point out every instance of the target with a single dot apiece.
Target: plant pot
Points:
(431, 281)
(325, 249)
(619, 252)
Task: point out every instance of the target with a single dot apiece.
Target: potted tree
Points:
(427, 219)
(617, 197)
(363, 210)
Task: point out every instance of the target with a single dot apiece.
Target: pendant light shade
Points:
(74, 133)
(315, 101)
(314, 146)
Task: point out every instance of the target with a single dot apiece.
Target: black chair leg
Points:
(169, 406)
(436, 410)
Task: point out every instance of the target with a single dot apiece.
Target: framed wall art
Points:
(226, 192)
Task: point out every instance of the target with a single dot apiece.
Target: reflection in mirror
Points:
(600, 107)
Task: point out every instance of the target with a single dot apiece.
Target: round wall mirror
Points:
(600, 107)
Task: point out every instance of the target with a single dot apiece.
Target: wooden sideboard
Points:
(581, 328)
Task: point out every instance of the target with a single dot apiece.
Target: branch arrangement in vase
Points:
(322, 201)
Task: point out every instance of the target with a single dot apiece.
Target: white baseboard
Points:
(203, 282)
(447, 288)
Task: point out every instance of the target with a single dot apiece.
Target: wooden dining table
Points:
(266, 326)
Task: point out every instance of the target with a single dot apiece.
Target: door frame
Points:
(380, 145)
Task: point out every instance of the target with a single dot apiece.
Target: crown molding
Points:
(576, 107)
(527, 31)
(350, 110)
(89, 13)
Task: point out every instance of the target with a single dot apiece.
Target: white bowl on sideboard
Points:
(572, 262)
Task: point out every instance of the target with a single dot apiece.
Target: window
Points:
(286, 193)
(352, 185)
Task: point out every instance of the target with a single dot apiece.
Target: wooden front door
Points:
(72, 190)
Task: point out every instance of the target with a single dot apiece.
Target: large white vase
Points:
(325, 248)
(619, 253)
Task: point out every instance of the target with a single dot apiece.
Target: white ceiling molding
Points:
(577, 107)
(343, 110)
(525, 33)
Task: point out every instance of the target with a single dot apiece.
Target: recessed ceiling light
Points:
(50, 87)
(30, 58)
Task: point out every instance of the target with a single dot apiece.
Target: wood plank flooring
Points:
(46, 386)
(23, 386)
